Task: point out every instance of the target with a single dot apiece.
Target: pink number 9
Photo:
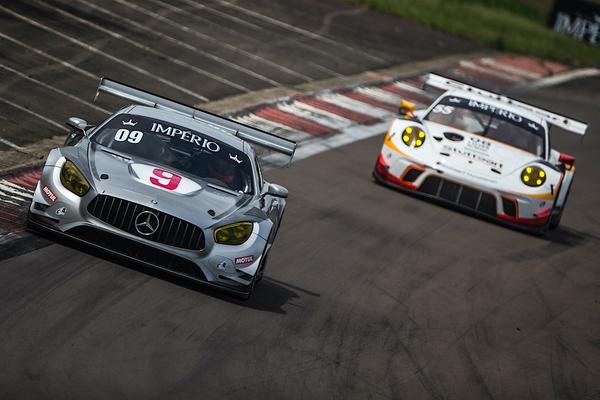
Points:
(165, 179)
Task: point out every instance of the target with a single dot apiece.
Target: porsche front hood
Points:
(132, 179)
(483, 158)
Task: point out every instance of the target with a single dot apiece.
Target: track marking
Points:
(150, 50)
(354, 105)
(216, 41)
(317, 115)
(356, 117)
(271, 126)
(491, 72)
(28, 111)
(301, 31)
(54, 89)
(381, 95)
(14, 193)
(564, 77)
(11, 144)
(183, 44)
(50, 57)
(510, 68)
(95, 50)
(284, 39)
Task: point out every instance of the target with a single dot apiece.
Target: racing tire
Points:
(555, 220)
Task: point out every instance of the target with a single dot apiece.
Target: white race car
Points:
(482, 152)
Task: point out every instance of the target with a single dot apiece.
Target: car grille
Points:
(171, 230)
(458, 194)
(136, 250)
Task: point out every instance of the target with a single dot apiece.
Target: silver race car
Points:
(481, 152)
(167, 185)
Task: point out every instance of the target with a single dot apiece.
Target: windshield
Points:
(489, 121)
(179, 148)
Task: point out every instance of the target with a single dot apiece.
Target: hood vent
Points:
(455, 137)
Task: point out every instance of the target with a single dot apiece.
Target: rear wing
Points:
(243, 131)
(569, 124)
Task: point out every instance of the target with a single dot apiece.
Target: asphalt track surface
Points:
(189, 51)
(370, 293)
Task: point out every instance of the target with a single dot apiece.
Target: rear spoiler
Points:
(243, 131)
(569, 124)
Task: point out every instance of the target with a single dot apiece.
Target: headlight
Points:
(73, 179)
(533, 176)
(233, 234)
(413, 136)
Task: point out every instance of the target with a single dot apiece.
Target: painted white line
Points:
(301, 31)
(5, 200)
(33, 113)
(18, 187)
(183, 44)
(564, 77)
(355, 105)
(277, 38)
(215, 41)
(54, 89)
(381, 95)
(314, 114)
(509, 68)
(274, 127)
(311, 148)
(148, 49)
(11, 144)
(102, 53)
(50, 57)
(410, 88)
(13, 193)
(491, 72)
(224, 15)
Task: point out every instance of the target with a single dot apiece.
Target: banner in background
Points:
(577, 18)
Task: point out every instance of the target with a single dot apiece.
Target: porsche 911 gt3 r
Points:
(167, 185)
(482, 152)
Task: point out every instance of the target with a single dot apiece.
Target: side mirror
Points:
(77, 124)
(407, 109)
(277, 190)
(566, 160)
(78, 127)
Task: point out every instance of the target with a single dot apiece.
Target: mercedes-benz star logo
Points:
(146, 223)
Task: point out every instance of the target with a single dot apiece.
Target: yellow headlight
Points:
(233, 234)
(73, 179)
(413, 136)
(533, 176)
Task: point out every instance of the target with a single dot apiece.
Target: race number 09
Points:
(165, 179)
(131, 136)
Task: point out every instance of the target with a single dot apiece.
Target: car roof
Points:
(500, 104)
(188, 122)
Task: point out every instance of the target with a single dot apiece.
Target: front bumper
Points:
(506, 208)
(192, 256)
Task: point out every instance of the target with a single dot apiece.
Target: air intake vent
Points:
(165, 229)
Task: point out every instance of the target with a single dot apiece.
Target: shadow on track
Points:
(269, 294)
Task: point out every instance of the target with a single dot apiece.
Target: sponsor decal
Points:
(244, 260)
(61, 211)
(447, 106)
(578, 19)
(185, 135)
(222, 265)
(131, 136)
(130, 122)
(479, 144)
(165, 179)
(235, 158)
(49, 194)
(473, 156)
